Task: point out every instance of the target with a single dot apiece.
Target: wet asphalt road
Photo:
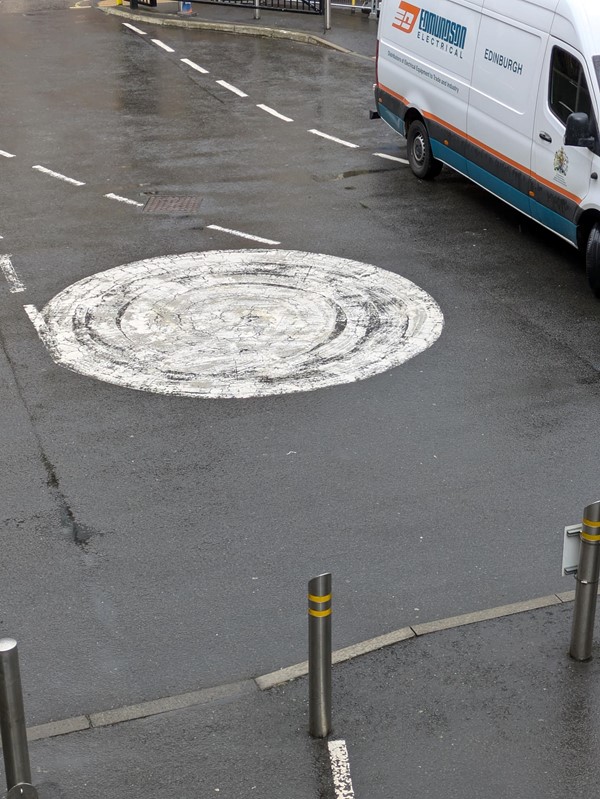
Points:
(153, 545)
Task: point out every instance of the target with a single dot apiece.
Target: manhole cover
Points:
(239, 323)
(163, 204)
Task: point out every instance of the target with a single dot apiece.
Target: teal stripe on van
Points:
(510, 194)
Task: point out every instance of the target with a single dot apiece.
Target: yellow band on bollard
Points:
(319, 613)
(325, 598)
(588, 523)
(588, 537)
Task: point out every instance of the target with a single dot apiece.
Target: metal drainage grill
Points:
(162, 204)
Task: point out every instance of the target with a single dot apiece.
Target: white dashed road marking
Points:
(125, 200)
(14, 283)
(332, 138)
(195, 66)
(391, 157)
(231, 88)
(4, 154)
(164, 46)
(58, 175)
(239, 233)
(239, 323)
(134, 29)
(274, 113)
(340, 769)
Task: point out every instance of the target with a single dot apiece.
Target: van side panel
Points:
(506, 75)
(536, 14)
(425, 63)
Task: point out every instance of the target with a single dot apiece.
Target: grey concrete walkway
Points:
(494, 708)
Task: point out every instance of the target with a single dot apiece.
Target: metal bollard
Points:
(327, 9)
(586, 590)
(319, 655)
(12, 721)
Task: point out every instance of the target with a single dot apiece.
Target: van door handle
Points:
(546, 136)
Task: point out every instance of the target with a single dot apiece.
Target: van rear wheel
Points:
(420, 157)
(592, 259)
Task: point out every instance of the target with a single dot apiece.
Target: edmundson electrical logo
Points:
(406, 16)
(432, 28)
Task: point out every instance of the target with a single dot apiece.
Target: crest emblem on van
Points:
(561, 162)
(406, 16)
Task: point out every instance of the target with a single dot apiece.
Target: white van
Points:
(506, 92)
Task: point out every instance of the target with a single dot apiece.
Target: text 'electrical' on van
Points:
(506, 92)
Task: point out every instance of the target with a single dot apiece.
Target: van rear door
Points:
(560, 175)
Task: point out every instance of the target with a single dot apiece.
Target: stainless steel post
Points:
(586, 589)
(12, 717)
(256, 9)
(319, 655)
(327, 14)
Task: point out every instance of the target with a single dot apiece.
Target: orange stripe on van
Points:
(500, 156)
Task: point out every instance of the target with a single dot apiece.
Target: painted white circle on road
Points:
(239, 323)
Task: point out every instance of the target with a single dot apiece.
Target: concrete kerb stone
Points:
(282, 676)
(231, 27)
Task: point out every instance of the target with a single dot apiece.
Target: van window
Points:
(568, 87)
(596, 60)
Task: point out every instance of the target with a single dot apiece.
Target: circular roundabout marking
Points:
(239, 323)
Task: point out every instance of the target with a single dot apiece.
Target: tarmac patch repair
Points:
(238, 323)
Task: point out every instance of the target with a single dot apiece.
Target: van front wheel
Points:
(420, 157)
(592, 259)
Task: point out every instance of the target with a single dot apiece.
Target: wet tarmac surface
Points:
(160, 544)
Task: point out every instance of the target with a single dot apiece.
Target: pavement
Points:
(351, 32)
(486, 704)
(489, 707)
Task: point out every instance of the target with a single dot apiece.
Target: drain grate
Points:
(164, 204)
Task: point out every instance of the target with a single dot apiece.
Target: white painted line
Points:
(274, 113)
(14, 283)
(391, 158)
(126, 200)
(6, 155)
(195, 66)
(134, 29)
(243, 235)
(332, 138)
(340, 769)
(231, 88)
(58, 175)
(37, 320)
(164, 46)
